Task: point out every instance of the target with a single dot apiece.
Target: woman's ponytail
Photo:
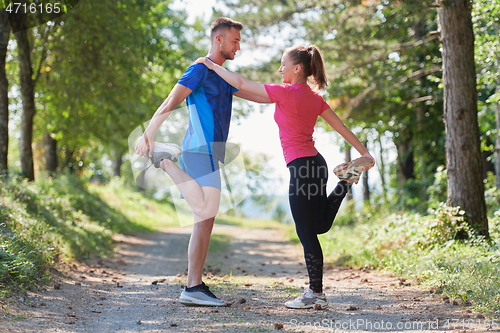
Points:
(311, 60)
(317, 67)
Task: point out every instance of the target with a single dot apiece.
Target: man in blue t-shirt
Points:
(209, 100)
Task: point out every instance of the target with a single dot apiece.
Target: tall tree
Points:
(29, 72)
(4, 93)
(27, 82)
(110, 65)
(463, 154)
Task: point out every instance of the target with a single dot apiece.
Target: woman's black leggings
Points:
(312, 210)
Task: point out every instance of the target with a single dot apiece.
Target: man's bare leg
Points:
(203, 201)
(198, 250)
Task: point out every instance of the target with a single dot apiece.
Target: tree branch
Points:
(44, 37)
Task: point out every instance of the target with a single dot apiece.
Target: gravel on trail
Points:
(137, 290)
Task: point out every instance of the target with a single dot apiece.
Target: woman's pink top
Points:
(297, 110)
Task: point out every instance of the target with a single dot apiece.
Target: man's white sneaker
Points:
(165, 151)
(307, 300)
(351, 171)
(200, 295)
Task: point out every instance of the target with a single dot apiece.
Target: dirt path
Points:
(138, 290)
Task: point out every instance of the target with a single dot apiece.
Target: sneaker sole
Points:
(353, 169)
(174, 151)
(197, 302)
(309, 306)
(354, 164)
(157, 161)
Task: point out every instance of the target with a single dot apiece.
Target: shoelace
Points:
(206, 291)
(306, 294)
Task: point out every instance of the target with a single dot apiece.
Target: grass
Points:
(7, 314)
(219, 243)
(142, 212)
(248, 223)
(423, 248)
(50, 221)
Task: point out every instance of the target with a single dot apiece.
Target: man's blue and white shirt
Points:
(209, 105)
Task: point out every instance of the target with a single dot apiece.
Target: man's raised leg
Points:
(203, 201)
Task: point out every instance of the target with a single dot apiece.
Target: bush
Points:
(425, 248)
(46, 222)
(22, 261)
(448, 224)
(438, 191)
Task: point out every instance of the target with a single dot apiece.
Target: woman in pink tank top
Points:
(297, 110)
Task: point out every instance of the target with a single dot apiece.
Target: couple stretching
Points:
(208, 88)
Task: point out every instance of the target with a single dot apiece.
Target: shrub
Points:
(448, 224)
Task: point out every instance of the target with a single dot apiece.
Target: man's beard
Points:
(227, 55)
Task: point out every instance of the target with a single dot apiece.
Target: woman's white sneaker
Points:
(351, 171)
(307, 300)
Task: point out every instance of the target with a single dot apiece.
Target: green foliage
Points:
(23, 260)
(438, 190)
(280, 214)
(62, 219)
(486, 21)
(247, 223)
(349, 215)
(485, 18)
(141, 211)
(464, 272)
(448, 224)
(260, 180)
(104, 68)
(424, 248)
(219, 243)
(492, 197)
(410, 195)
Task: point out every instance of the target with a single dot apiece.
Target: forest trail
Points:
(137, 291)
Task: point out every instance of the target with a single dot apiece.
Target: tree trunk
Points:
(406, 162)
(50, 146)
(381, 167)
(68, 160)
(463, 152)
(347, 159)
(28, 98)
(497, 146)
(4, 93)
(366, 187)
(117, 164)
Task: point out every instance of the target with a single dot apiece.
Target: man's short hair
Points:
(224, 23)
